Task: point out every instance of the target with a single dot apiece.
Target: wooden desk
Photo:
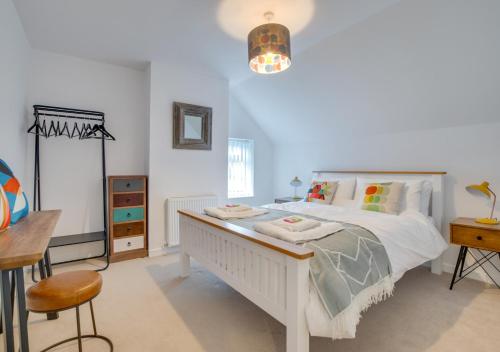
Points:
(467, 233)
(21, 245)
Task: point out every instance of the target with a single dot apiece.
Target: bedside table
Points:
(468, 234)
(286, 200)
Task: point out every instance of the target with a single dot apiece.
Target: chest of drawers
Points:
(128, 223)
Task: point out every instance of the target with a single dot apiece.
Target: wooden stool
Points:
(65, 291)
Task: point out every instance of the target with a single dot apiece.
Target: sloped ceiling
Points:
(420, 64)
(206, 33)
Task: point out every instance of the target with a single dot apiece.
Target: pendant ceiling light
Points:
(269, 47)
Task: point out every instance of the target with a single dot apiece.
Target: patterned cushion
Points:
(4, 210)
(321, 192)
(18, 203)
(383, 197)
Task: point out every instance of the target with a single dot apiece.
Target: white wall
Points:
(414, 87)
(70, 168)
(14, 61)
(177, 172)
(242, 125)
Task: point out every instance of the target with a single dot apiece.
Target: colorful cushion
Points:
(18, 203)
(321, 192)
(4, 210)
(383, 197)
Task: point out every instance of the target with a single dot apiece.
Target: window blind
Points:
(240, 168)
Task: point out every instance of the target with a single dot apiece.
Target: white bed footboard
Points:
(271, 273)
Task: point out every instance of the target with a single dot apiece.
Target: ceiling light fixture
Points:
(269, 47)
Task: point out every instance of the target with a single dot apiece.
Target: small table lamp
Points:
(295, 183)
(484, 188)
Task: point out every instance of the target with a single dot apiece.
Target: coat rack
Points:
(51, 122)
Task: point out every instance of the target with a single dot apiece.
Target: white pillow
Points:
(425, 199)
(411, 199)
(344, 203)
(345, 186)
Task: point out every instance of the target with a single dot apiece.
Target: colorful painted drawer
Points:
(128, 217)
(129, 229)
(128, 200)
(128, 185)
(128, 214)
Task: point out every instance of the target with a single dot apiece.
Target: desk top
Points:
(25, 243)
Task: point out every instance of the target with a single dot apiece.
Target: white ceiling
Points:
(197, 32)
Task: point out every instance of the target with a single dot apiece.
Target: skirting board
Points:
(156, 252)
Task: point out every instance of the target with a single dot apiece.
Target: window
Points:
(240, 168)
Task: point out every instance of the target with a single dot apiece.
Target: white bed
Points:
(274, 274)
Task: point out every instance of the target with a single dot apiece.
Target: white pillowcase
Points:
(416, 193)
(345, 186)
(345, 203)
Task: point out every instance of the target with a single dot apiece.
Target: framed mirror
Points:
(192, 127)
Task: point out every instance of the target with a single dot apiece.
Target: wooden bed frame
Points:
(272, 273)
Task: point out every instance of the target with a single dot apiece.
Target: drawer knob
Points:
(128, 184)
(129, 215)
(129, 229)
(129, 244)
(479, 238)
(127, 200)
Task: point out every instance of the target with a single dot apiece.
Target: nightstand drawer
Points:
(476, 238)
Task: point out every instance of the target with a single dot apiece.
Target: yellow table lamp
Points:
(484, 188)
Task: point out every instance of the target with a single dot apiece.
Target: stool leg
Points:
(79, 329)
(93, 318)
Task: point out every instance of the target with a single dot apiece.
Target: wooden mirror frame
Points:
(179, 142)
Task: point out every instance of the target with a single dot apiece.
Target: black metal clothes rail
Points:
(51, 121)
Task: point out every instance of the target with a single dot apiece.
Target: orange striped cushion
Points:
(4, 210)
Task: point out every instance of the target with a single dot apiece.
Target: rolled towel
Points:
(233, 208)
(325, 229)
(224, 215)
(296, 223)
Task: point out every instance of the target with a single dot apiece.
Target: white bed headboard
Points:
(435, 177)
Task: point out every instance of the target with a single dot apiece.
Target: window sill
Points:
(240, 197)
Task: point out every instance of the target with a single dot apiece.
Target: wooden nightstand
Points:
(468, 234)
(286, 200)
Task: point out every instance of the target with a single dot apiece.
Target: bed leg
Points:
(184, 259)
(297, 293)
(437, 265)
(185, 264)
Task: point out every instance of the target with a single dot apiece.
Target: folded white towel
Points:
(325, 229)
(233, 208)
(296, 223)
(224, 215)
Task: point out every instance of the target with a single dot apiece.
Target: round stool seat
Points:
(63, 291)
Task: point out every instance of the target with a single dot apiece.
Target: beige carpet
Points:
(145, 307)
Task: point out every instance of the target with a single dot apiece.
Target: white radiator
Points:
(190, 203)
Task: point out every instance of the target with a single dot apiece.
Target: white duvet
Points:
(410, 240)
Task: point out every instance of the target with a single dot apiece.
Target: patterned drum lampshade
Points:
(269, 48)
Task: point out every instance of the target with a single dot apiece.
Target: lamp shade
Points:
(269, 48)
(483, 188)
(296, 182)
